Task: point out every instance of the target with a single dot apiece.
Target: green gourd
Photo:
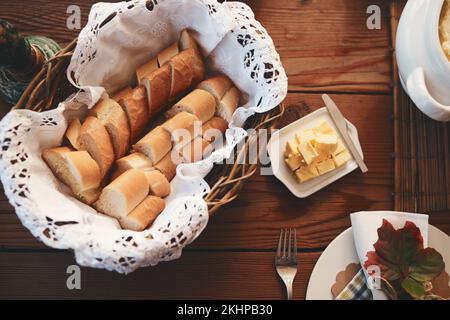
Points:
(21, 57)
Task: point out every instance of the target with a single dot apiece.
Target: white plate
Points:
(341, 252)
(277, 144)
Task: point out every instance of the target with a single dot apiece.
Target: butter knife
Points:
(341, 125)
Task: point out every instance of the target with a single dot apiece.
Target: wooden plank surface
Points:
(209, 275)
(265, 205)
(324, 45)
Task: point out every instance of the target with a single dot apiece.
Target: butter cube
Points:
(308, 152)
(342, 158)
(324, 128)
(326, 144)
(294, 161)
(291, 148)
(306, 173)
(325, 166)
(340, 147)
(306, 136)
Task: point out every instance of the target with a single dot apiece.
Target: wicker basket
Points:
(50, 86)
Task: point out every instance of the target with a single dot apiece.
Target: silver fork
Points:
(286, 258)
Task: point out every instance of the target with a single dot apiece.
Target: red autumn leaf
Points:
(402, 259)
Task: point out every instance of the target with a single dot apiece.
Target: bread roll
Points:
(159, 185)
(199, 103)
(155, 145)
(217, 86)
(196, 150)
(157, 85)
(123, 194)
(214, 129)
(76, 169)
(167, 54)
(136, 109)
(167, 167)
(181, 72)
(135, 160)
(183, 127)
(228, 104)
(73, 133)
(112, 116)
(144, 214)
(146, 69)
(122, 93)
(95, 139)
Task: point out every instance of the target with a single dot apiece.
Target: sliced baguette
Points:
(167, 54)
(157, 86)
(112, 116)
(181, 72)
(146, 69)
(228, 104)
(125, 92)
(167, 167)
(217, 86)
(214, 129)
(159, 185)
(183, 127)
(136, 109)
(188, 42)
(135, 160)
(73, 133)
(95, 139)
(155, 145)
(196, 150)
(89, 196)
(76, 169)
(144, 214)
(199, 103)
(123, 194)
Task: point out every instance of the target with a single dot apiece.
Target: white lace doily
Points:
(117, 38)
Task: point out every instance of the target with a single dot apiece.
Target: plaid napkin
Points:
(356, 289)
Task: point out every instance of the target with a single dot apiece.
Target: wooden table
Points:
(325, 46)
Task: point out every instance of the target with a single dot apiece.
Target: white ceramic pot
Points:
(423, 66)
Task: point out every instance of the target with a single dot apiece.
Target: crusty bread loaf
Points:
(95, 139)
(228, 104)
(167, 167)
(123, 194)
(125, 92)
(76, 169)
(136, 109)
(167, 54)
(183, 127)
(181, 72)
(159, 185)
(196, 150)
(135, 160)
(73, 133)
(217, 86)
(146, 69)
(112, 116)
(155, 145)
(214, 129)
(199, 103)
(144, 214)
(157, 85)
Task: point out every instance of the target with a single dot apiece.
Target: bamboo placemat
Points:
(422, 151)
